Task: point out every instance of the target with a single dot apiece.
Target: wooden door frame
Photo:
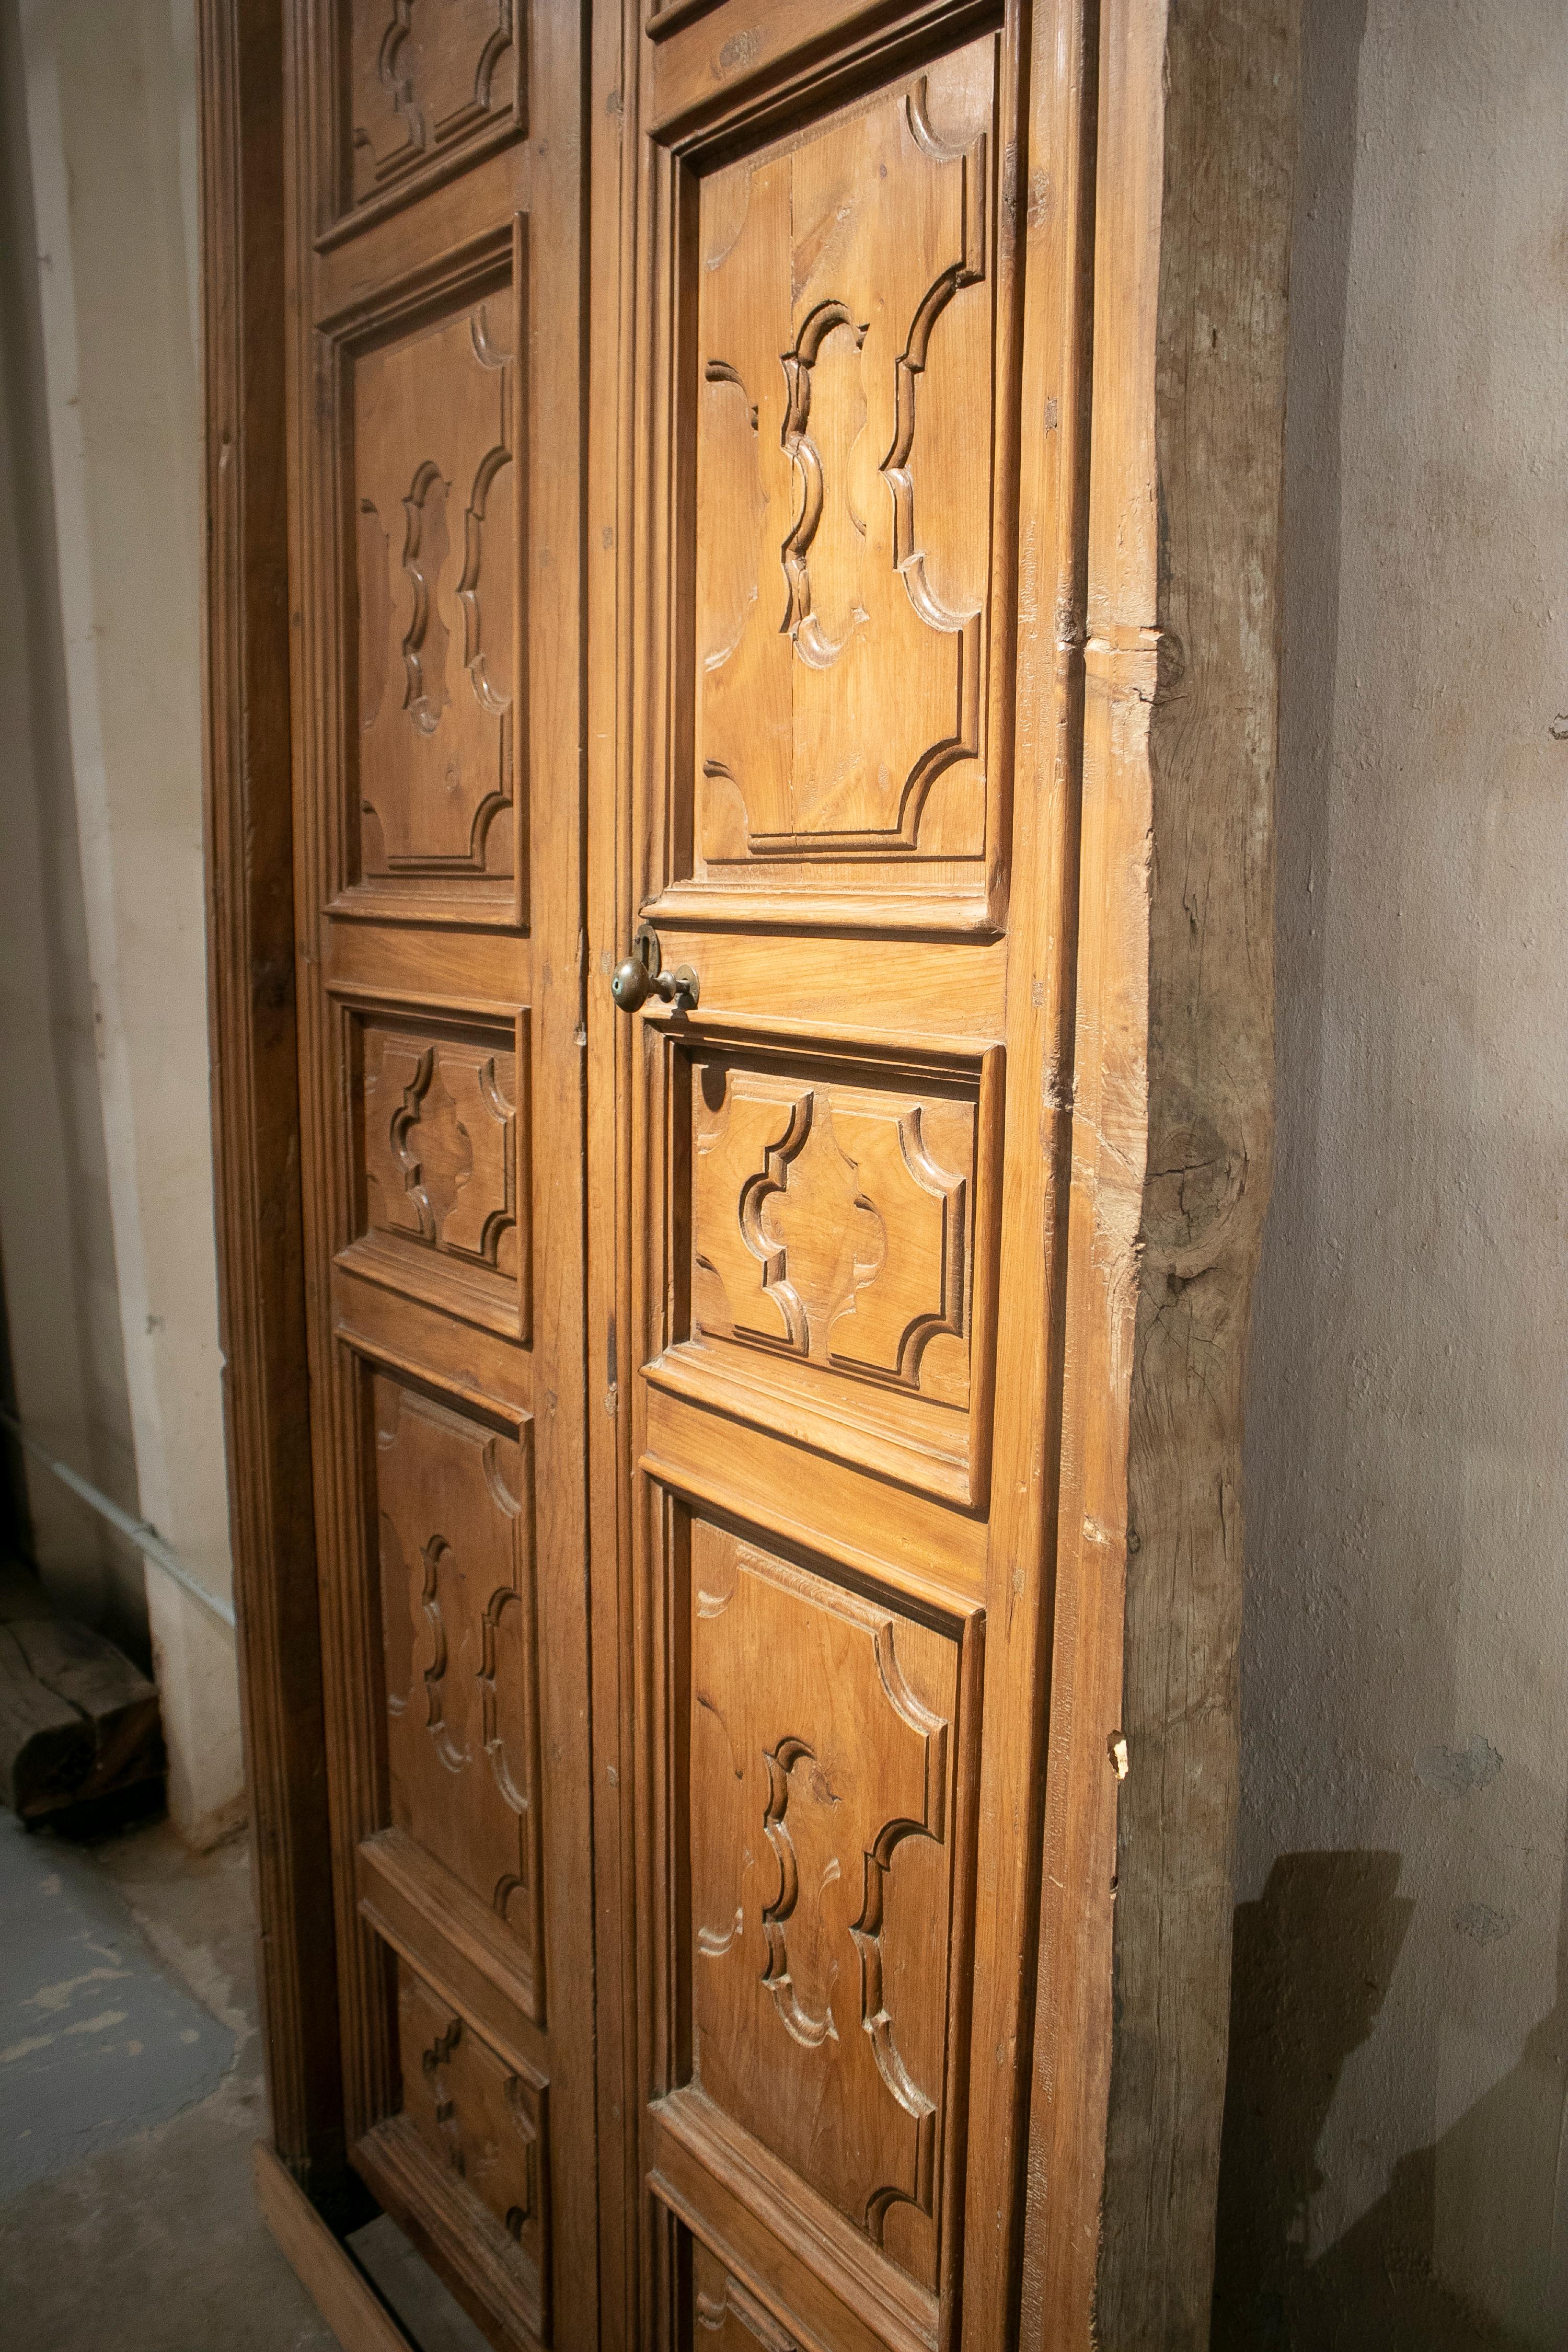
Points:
(255, 1077)
(1174, 653)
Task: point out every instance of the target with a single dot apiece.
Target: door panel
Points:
(842, 742)
(436, 207)
(842, 1234)
(860, 1804)
(425, 91)
(854, 608)
(458, 1658)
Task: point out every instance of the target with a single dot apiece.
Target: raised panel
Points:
(831, 1219)
(439, 1143)
(822, 1751)
(477, 2115)
(443, 1209)
(454, 1509)
(845, 386)
(465, 2164)
(435, 496)
(837, 1253)
(424, 86)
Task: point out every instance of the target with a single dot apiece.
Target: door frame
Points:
(1189, 114)
(255, 1079)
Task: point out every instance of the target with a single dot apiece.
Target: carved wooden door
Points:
(854, 496)
(435, 201)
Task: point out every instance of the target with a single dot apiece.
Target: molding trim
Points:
(255, 1082)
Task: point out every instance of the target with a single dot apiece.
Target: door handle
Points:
(639, 977)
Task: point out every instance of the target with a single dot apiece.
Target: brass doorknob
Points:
(639, 977)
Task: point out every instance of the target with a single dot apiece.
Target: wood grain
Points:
(343, 2295)
(253, 1033)
(846, 1167)
(865, 1349)
(435, 368)
(1171, 1144)
(78, 1720)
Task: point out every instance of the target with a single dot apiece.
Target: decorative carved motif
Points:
(802, 624)
(829, 1225)
(821, 1725)
(458, 1618)
(844, 294)
(441, 1144)
(480, 2120)
(433, 425)
(424, 76)
(733, 2319)
(782, 1981)
(426, 547)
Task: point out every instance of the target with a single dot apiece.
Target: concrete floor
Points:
(151, 2241)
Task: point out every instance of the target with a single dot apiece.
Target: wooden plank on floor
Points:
(78, 1720)
(345, 2298)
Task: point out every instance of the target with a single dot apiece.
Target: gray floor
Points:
(97, 2040)
(127, 2222)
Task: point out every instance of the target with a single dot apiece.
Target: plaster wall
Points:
(56, 1236)
(107, 120)
(1395, 2166)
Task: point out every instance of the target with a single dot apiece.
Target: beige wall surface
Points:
(1395, 2169)
(101, 98)
(57, 1235)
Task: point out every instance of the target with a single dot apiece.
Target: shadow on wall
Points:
(1312, 1961)
(1396, 1352)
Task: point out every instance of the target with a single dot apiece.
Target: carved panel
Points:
(844, 481)
(726, 2317)
(434, 501)
(832, 1222)
(821, 1817)
(480, 2120)
(443, 1208)
(457, 1614)
(424, 76)
(440, 1143)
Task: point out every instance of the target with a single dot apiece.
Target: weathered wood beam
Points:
(1173, 1136)
(79, 1723)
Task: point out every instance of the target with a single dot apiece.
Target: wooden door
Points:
(853, 489)
(436, 200)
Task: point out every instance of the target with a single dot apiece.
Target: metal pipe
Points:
(141, 1532)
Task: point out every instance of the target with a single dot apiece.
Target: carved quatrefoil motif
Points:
(440, 1154)
(833, 1231)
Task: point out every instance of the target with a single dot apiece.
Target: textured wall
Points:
(101, 96)
(1395, 2170)
(57, 1234)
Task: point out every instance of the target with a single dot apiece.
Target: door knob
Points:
(639, 977)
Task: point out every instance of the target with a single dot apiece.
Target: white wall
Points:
(109, 167)
(57, 1235)
(1396, 2158)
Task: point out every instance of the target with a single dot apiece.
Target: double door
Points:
(684, 556)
